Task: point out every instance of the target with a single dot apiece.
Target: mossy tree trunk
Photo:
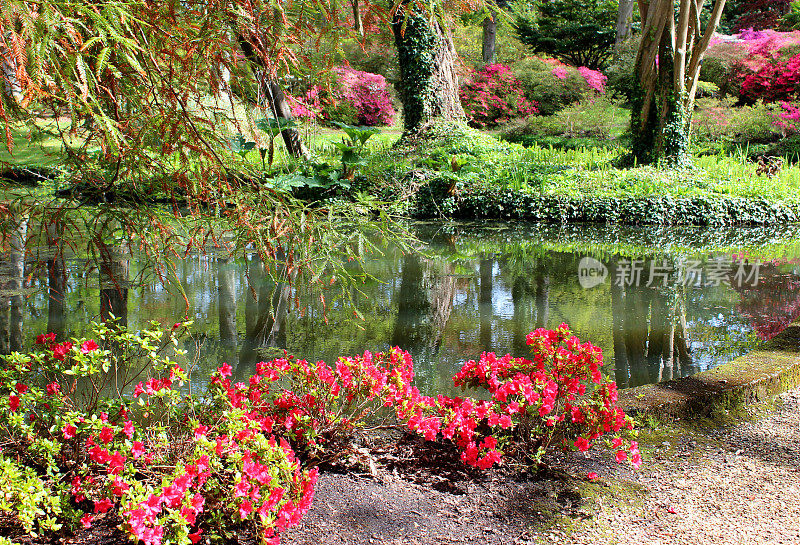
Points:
(428, 84)
(667, 70)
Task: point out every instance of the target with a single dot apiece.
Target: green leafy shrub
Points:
(720, 64)
(716, 119)
(597, 117)
(550, 84)
(620, 72)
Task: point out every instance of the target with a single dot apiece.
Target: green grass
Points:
(488, 161)
(32, 148)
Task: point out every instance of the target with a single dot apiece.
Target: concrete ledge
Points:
(753, 377)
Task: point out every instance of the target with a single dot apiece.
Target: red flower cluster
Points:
(560, 392)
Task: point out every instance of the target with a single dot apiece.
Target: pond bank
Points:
(754, 377)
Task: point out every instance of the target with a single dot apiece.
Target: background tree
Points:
(667, 70)
(624, 26)
(577, 32)
(490, 30)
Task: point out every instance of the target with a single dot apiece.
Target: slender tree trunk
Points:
(489, 38)
(17, 261)
(358, 24)
(428, 84)
(275, 99)
(280, 108)
(8, 80)
(624, 23)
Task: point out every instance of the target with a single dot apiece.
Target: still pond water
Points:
(661, 303)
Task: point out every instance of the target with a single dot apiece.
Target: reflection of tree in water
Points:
(266, 309)
(425, 301)
(649, 330)
(772, 304)
(12, 278)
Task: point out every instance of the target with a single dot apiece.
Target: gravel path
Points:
(734, 485)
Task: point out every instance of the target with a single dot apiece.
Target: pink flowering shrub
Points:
(355, 98)
(178, 468)
(494, 96)
(553, 85)
(594, 79)
(168, 477)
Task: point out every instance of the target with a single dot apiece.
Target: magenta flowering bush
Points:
(494, 96)
(788, 117)
(355, 98)
(176, 468)
(145, 457)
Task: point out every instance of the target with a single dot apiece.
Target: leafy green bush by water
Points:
(597, 117)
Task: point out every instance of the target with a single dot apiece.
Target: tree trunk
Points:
(8, 80)
(273, 95)
(358, 25)
(489, 38)
(667, 70)
(281, 110)
(16, 258)
(624, 23)
(428, 84)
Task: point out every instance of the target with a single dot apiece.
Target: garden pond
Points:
(660, 302)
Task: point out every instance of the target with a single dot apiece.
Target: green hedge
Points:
(505, 204)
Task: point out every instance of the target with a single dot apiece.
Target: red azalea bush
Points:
(752, 54)
(776, 80)
(559, 395)
(314, 405)
(168, 477)
(493, 96)
(175, 466)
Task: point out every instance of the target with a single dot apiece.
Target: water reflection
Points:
(470, 290)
